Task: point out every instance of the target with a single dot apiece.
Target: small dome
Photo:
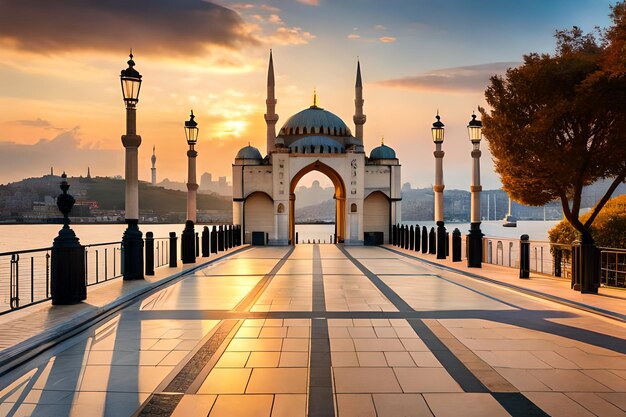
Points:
(315, 120)
(383, 152)
(249, 152)
(316, 144)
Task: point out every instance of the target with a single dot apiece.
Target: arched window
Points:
(304, 131)
(353, 208)
(280, 208)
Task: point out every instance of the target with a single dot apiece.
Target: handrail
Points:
(19, 252)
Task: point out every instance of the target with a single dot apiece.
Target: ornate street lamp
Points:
(475, 237)
(438, 132)
(188, 237)
(132, 241)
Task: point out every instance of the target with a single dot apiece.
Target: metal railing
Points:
(103, 262)
(161, 251)
(28, 282)
(613, 267)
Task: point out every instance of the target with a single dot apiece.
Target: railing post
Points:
(424, 240)
(411, 238)
(296, 238)
(149, 253)
(214, 239)
(205, 242)
(173, 245)
(456, 245)
(187, 243)
(220, 239)
(524, 257)
(418, 238)
(432, 242)
(197, 244)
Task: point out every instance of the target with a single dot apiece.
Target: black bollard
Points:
(149, 253)
(424, 240)
(220, 239)
(447, 244)
(401, 237)
(296, 238)
(229, 235)
(441, 235)
(267, 238)
(587, 264)
(206, 238)
(432, 249)
(67, 265)
(406, 237)
(197, 244)
(456, 245)
(187, 244)
(214, 239)
(524, 257)
(231, 232)
(411, 238)
(173, 250)
(418, 238)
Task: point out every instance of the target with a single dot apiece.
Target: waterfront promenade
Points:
(323, 330)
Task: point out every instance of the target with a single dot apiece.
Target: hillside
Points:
(109, 193)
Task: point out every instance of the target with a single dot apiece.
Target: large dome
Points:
(315, 120)
(316, 144)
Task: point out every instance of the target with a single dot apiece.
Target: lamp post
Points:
(438, 134)
(132, 241)
(191, 134)
(188, 239)
(475, 237)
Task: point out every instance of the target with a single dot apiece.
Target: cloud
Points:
(181, 27)
(66, 152)
(380, 27)
(387, 39)
(290, 36)
(310, 2)
(274, 18)
(37, 123)
(354, 36)
(33, 123)
(469, 78)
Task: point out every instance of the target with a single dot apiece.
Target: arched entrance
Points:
(258, 214)
(340, 198)
(377, 214)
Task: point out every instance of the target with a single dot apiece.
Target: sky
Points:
(61, 102)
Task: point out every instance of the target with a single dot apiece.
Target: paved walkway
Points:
(608, 301)
(326, 330)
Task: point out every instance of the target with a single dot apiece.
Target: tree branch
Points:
(596, 210)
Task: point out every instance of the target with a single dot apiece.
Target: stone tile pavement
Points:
(324, 330)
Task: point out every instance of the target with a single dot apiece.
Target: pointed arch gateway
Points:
(340, 198)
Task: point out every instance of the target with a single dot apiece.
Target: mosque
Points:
(367, 189)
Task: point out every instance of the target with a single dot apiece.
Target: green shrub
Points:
(608, 229)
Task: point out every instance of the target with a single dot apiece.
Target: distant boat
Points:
(509, 220)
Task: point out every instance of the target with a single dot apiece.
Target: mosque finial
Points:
(382, 141)
(314, 97)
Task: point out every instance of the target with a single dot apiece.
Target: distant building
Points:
(153, 169)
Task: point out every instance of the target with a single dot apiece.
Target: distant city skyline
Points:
(60, 99)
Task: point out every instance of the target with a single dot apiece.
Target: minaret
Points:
(153, 169)
(270, 116)
(359, 117)
(88, 173)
